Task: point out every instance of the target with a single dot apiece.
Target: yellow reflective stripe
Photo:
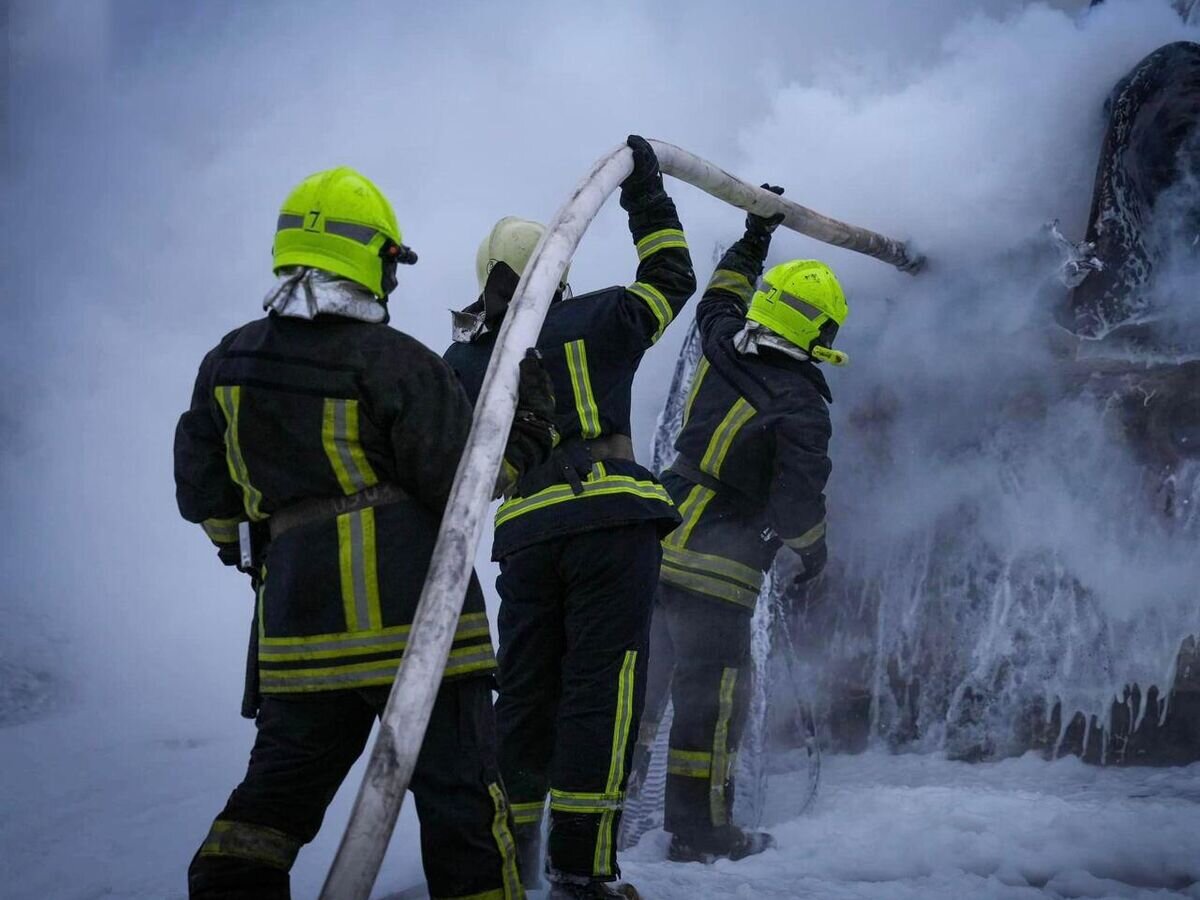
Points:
(602, 862)
(470, 659)
(221, 531)
(510, 877)
(689, 763)
(229, 398)
(469, 625)
(697, 378)
(528, 813)
(581, 386)
(660, 240)
(654, 299)
(595, 486)
(359, 573)
(339, 436)
(708, 585)
(734, 282)
(720, 753)
(257, 843)
(807, 539)
(690, 511)
(715, 565)
(718, 447)
(584, 802)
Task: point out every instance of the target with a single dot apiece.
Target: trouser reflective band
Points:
(528, 813)
(575, 802)
(720, 753)
(689, 763)
(257, 843)
(506, 846)
(602, 863)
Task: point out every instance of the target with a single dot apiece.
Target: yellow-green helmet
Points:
(802, 302)
(339, 221)
(511, 241)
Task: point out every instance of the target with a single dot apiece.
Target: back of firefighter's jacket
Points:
(286, 411)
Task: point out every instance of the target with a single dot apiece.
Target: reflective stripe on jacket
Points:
(286, 410)
(753, 452)
(592, 345)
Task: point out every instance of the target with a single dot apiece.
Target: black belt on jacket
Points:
(321, 508)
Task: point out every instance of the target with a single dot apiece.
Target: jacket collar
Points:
(301, 292)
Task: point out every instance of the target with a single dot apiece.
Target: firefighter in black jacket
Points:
(578, 541)
(749, 479)
(340, 437)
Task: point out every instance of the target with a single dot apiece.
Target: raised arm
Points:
(732, 284)
(665, 280)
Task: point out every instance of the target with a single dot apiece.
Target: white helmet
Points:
(512, 241)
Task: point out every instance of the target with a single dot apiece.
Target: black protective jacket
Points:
(753, 451)
(592, 345)
(287, 410)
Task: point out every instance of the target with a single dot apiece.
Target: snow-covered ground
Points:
(84, 817)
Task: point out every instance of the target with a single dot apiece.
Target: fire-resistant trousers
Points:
(706, 642)
(574, 626)
(307, 743)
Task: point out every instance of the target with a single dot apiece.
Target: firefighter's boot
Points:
(593, 890)
(726, 842)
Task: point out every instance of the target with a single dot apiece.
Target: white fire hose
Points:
(402, 729)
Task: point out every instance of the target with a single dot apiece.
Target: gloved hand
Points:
(814, 560)
(760, 228)
(532, 436)
(645, 183)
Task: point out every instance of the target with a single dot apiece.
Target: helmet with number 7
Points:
(802, 302)
(339, 221)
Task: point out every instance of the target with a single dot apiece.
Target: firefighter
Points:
(340, 437)
(749, 479)
(578, 541)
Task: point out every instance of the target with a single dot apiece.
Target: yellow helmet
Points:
(802, 302)
(339, 221)
(511, 241)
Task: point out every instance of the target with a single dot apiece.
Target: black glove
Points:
(760, 228)
(532, 436)
(644, 184)
(814, 561)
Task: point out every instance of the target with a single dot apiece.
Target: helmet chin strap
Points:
(826, 355)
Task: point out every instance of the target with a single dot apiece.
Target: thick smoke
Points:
(1015, 548)
(149, 145)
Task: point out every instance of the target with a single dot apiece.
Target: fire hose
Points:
(402, 728)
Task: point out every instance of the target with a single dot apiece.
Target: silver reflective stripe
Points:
(483, 655)
(801, 306)
(288, 220)
(363, 234)
(566, 801)
(382, 641)
(341, 440)
(271, 678)
(362, 608)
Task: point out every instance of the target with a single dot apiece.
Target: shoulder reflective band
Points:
(657, 303)
(720, 752)
(665, 239)
(718, 448)
(734, 282)
(807, 539)
(581, 387)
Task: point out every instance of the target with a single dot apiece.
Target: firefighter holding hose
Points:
(578, 540)
(341, 436)
(749, 480)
